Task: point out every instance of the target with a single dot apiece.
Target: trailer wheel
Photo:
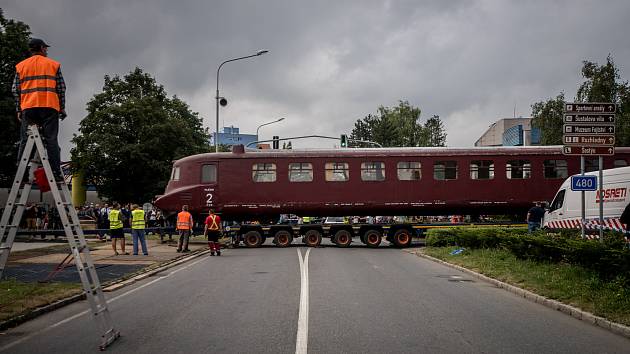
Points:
(373, 238)
(283, 238)
(252, 239)
(312, 238)
(402, 238)
(343, 238)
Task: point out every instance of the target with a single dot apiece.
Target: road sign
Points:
(589, 118)
(583, 183)
(589, 129)
(590, 108)
(589, 140)
(588, 150)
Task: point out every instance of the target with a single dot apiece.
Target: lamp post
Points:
(262, 125)
(218, 98)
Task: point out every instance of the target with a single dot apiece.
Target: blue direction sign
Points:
(583, 183)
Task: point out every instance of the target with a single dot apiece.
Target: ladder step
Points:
(5, 248)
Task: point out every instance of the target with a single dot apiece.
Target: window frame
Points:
(409, 169)
(334, 169)
(203, 169)
(176, 173)
(273, 171)
(525, 169)
(479, 164)
(445, 169)
(368, 166)
(556, 169)
(308, 170)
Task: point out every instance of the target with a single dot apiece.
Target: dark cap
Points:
(37, 43)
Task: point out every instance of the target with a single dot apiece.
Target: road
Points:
(359, 301)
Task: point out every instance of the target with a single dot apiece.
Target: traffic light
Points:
(344, 141)
(276, 142)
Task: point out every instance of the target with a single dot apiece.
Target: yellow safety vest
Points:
(114, 222)
(137, 219)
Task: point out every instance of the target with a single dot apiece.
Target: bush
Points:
(610, 258)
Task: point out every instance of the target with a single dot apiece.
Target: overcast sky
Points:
(333, 62)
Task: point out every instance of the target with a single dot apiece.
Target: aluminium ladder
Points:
(9, 225)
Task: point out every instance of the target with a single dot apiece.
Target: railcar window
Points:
(518, 169)
(208, 173)
(300, 172)
(445, 170)
(557, 201)
(175, 174)
(482, 169)
(620, 163)
(373, 171)
(264, 172)
(337, 171)
(591, 164)
(556, 169)
(409, 171)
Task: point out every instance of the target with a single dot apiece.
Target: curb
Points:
(575, 312)
(111, 286)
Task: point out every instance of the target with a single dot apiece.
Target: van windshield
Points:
(558, 201)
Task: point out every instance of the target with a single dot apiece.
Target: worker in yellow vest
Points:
(137, 229)
(116, 228)
(184, 227)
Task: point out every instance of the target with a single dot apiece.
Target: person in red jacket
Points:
(39, 91)
(213, 230)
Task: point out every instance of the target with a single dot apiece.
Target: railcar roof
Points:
(385, 152)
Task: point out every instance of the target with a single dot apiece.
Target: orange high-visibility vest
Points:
(214, 226)
(183, 221)
(38, 82)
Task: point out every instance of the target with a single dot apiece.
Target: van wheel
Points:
(252, 239)
(402, 238)
(313, 238)
(343, 238)
(283, 238)
(373, 238)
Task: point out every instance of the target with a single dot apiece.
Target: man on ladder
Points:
(39, 90)
(40, 95)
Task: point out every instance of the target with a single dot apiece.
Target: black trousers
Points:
(48, 121)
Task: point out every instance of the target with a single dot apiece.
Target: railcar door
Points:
(209, 178)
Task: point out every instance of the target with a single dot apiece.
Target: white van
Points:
(565, 212)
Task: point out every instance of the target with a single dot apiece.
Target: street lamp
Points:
(223, 101)
(262, 125)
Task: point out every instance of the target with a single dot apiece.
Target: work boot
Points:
(218, 253)
(212, 253)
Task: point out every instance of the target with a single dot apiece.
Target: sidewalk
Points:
(36, 264)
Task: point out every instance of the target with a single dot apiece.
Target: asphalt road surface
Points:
(326, 300)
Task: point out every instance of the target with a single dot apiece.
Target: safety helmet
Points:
(36, 43)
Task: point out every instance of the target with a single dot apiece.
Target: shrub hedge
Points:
(610, 258)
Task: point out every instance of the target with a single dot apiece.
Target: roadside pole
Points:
(583, 200)
(601, 199)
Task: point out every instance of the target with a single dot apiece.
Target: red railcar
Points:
(393, 181)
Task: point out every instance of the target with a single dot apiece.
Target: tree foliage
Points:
(14, 37)
(548, 117)
(399, 126)
(131, 135)
(602, 84)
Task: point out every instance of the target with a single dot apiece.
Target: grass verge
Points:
(567, 283)
(17, 297)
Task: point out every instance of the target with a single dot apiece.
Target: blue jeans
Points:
(139, 234)
(533, 226)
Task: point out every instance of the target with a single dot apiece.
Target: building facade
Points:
(510, 132)
(231, 136)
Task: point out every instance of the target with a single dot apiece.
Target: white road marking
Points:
(88, 311)
(301, 340)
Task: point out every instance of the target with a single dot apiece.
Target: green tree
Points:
(14, 37)
(131, 135)
(603, 85)
(398, 126)
(548, 117)
(433, 133)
